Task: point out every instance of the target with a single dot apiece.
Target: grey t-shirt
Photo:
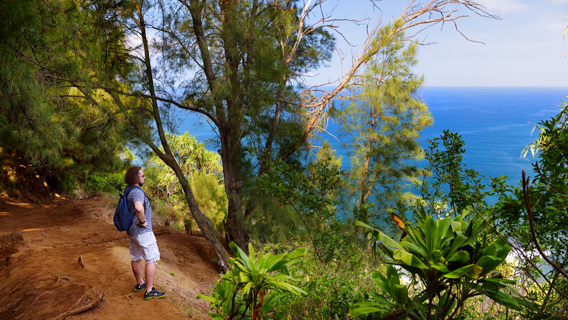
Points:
(134, 195)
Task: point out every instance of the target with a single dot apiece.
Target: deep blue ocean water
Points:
(495, 124)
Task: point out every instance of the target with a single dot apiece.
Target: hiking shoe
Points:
(154, 294)
(139, 287)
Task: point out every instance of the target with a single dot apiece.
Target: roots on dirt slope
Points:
(67, 261)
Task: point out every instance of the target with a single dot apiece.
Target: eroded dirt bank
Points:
(67, 261)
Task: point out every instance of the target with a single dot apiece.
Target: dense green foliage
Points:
(382, 123)
(533, 217)
(453, 260)
(311, 195)
(45, 49)
(202, 168)
(254, 286)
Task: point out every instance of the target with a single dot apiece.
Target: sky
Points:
(524, 48)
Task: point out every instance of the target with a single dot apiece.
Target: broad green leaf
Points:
(296, 253)
(411, 247)
(270, 301)
(361, 311)
(534, 307)
(471, 270)
(392, 276)
(380, 236)
(246, 289)
(456, 226)
(504, 251)
(240, 266)
(489, 263)
(436, 255)
(504, 299)
(284, 286)
(381, 281)
(499, 280)
(240, 254)
(416, 238)
(273, 263)
(243, 277)
(551, 208)
(456, 244)
(431, 232)
(251, 253)
(412, 270)
(448, 238)
(443, 226)
(409, 259)
(475, 272)
(387, 250)
(440, 267)
(473, 236)
(491, 249)
(460, 257)
(261, 263)
(400, 293)
(205, 297)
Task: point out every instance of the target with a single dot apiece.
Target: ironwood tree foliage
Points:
(45, 47)
(383, 121)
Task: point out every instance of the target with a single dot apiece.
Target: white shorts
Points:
(144, 246)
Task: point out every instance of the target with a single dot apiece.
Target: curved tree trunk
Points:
(203, 222)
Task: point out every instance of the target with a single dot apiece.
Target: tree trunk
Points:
(203, 222)
(230, 154)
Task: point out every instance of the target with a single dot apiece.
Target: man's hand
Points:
(145, 224)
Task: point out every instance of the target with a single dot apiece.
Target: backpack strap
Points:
(127, 190)
(130, 188)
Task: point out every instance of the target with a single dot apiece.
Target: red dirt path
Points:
(43, 278)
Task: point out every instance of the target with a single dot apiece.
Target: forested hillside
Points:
(89, 87)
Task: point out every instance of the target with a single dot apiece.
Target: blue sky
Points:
(524, 48)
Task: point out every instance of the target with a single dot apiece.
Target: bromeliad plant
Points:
(253, 287)
(454, 260)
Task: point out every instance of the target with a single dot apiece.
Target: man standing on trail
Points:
(142, 240)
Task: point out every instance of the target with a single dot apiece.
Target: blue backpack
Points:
(122, 216)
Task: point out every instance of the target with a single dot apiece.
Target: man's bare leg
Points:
(137, 269)
(150, 272)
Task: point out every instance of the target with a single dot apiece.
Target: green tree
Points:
(239, 64)
(211, 197)
(383, 121)
(533, 216)
(311, 194)
(46, 47)
(450, 246)
(202, 168)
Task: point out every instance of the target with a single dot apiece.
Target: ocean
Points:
(494, 122)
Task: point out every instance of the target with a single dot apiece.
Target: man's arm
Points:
(139, 206)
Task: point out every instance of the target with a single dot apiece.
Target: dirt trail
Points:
(73, 264)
